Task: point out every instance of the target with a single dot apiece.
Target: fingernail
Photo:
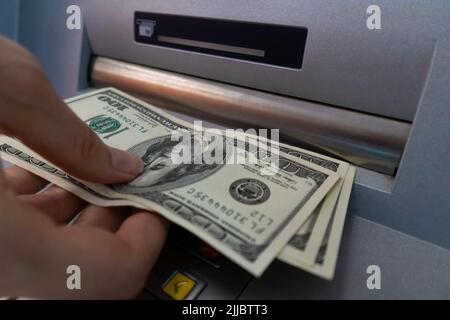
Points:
(126, 162)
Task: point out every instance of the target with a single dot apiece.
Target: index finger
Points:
(32, 111)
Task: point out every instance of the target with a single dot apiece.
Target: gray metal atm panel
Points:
(380, 72)
(409, 269)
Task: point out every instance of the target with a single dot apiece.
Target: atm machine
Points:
(378, 98)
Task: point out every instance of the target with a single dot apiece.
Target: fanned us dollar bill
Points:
(324, 264)
(304, 246)
(308, 249)
(241, 210)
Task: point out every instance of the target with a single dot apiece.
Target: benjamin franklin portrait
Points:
(160, 171)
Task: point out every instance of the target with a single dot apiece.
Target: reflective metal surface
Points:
(369, 141)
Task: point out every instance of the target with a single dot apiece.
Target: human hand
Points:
(114, 247)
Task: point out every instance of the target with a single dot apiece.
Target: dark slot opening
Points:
(263, 43)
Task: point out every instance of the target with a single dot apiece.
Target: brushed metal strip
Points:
(365, 140)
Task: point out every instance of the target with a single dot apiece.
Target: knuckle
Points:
(58, 195)
(22, 64)
(136, 282)
(137, 274)
(87, 146)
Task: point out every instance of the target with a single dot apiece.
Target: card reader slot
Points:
(212, 46)
(365, 140)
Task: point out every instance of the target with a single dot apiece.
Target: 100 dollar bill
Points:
(324, 263)
(246, 215)
(309, 246)
(304, 246)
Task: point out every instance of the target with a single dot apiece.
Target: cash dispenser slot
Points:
(365, 140)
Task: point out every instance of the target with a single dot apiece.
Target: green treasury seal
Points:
(103, 124)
